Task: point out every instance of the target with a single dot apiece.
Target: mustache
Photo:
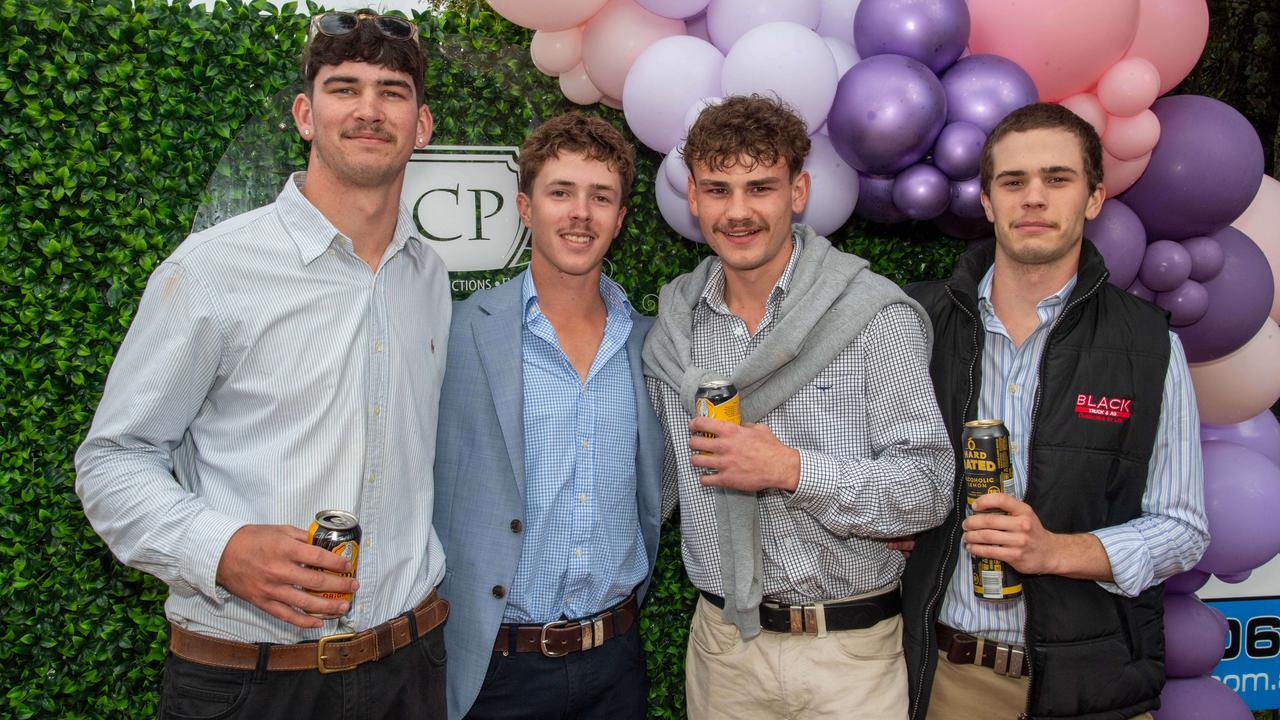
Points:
(740, 227)
(369, 130)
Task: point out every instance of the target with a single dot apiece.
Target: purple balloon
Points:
(1233, 578)
(1206, 257)
(1165, 266)
(1200, 698)
(1194, 636)
(934, 32)
(1137, 289)
(958, 152)
(921, 192)
(1203, 173)
(875, 200)
(1239, 300)
(887, 112)
(963, 228)
(1186, 303)
(1186, 582)
(965, 200)
(982, 89)
(1260, 433)
(1241, 494)
(1119, 236)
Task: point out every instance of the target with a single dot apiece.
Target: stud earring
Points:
(421, 141)
(306, 133)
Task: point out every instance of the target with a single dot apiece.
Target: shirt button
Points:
(585, 443)
(1013, 447)
(583, 497)
(499, 591)
(377, 347)
(577, 551)
(332, 252)
(377, 411)
(373, 478)
(516, 525)
(1013, 389)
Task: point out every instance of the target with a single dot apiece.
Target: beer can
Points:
(337, 531)
(987, 469)
(718, 399)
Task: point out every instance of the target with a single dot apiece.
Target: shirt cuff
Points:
(819, 484)
(206, 539)
(1131, 568)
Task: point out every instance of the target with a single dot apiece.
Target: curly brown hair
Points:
(751, 130)
(363, 44)
(1045, 116)
(587, 135)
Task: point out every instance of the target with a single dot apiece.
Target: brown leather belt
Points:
(964, 649)
(334, 653)
(561, 637)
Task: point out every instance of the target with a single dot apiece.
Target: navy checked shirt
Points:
(583, 550)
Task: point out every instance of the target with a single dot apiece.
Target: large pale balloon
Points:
(556, 52)
(664, 82)
(616, 36)
(1064, 46)
(1234, 388)
(1171, 35)
(673, 206)
(729, 20)
(834, 187)
(787, 60)
(836, 19)
(549, 15)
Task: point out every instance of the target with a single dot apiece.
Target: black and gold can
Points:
(718, 399)
(337, 531)
(988, 469)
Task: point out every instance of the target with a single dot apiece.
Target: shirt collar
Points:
(713, 291)
(1057, 298)
(614, 297)
(312, 232)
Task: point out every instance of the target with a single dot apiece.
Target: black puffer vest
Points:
(1093, 654)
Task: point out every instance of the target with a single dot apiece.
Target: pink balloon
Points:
(1238, 386)
(556, 52)
(615, 37)
(1064, 46)
(1129, 87)
(1087, 106)
(577, 86)
(1171, 35)
(1129, 138)
(1261, 222)
(1120, 175)
(728, 20)
(547, 14)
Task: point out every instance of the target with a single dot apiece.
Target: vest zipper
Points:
(1031, 446)
(951, 537)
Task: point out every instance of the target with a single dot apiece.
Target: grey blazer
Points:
(480, 475)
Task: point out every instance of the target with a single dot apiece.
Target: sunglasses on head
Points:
(335, 24)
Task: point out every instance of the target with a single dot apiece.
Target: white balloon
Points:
(789, 61)
(836, 20)
(845, 54)
(833, 189)
(696, 109)
(664, 82)
(729, 20)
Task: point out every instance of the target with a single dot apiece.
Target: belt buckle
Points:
(320, 658)
(592, 632)
(542, 644)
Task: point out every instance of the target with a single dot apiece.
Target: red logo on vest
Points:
(1107, 409)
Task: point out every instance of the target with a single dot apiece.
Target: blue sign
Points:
(1251, 664)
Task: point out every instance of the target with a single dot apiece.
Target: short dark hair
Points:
(1046, 116)
(587, 135)
(364, 44)
(763, 129)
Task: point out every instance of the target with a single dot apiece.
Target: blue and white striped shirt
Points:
(1170, 534)
(274, 374)
(583, 550)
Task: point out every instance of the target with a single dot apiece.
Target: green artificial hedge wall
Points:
(114, 116)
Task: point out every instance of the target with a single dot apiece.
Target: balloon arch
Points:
(900, 95)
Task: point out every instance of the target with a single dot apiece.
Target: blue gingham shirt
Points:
(583, 550)
(273, 374)
(1170, 534)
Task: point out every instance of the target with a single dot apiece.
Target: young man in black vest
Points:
(1108, 498)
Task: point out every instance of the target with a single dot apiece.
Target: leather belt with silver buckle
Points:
(561, 637)
(965, 649)
(823, 617)
(333, 653)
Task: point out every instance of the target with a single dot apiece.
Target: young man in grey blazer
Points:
(549, 457)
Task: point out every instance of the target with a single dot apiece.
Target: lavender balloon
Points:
(1260, 433)
(1186, 582)
(1165, 266)
(1241, 492)
(1119, 236)
(1206, 257)
(875, 200)
(1239, 300)
(965, 200)
(1200, 698)
(934, 32)
(1203, 173)
(982, 89)
(1186, 303)
(1194, 636)
(921, 192)
(887, 112)
(958, 151)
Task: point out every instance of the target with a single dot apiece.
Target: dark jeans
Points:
(406, 684)
(608, 682)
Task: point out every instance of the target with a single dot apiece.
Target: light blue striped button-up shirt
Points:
(583, 550)
(275, 375)
(1170, 534)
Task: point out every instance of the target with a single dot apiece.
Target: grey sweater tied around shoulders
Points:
(831, 298)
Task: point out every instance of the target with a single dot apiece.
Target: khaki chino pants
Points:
(854, 674)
